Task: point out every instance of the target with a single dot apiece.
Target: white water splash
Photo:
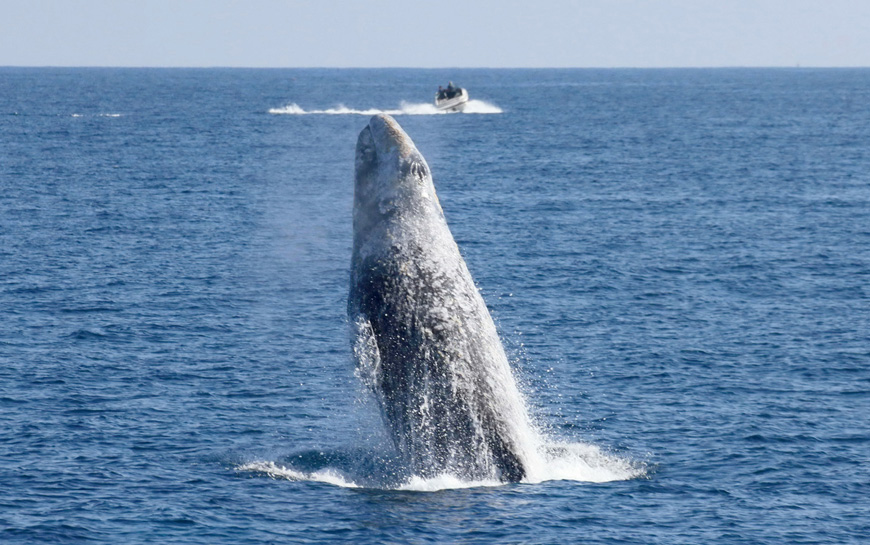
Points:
(583, 462)
(577, 462)
(559, 461)
(405, 108)
(481, 107)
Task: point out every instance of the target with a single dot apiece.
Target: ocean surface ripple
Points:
(678, 262)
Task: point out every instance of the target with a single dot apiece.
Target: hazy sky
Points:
(438, 33)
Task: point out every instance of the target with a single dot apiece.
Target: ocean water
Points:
(678, 262)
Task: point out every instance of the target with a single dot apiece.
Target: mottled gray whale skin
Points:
(424, 340)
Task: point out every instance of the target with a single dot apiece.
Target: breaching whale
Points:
(424, 340)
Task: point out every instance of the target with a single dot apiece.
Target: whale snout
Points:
(389, 138)
(391, 176)
(387, 157)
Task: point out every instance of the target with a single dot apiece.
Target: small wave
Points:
(405, 108)
(88, 334)
(98, 115)
(276, 471)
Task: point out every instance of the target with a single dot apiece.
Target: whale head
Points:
(392, 181)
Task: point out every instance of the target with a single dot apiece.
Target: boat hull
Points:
(455, 104)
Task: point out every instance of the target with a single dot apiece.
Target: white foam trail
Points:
(280, 472)
(481, 107)
(290, 109)
(405, 108)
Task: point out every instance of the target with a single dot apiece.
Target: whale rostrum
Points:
(424, 341)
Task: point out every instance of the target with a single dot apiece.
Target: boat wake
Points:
(405, 108)
(559, 461)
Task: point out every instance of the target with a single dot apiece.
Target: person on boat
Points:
(451, 90)
(442, 94)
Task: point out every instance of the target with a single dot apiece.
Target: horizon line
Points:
(626, 67)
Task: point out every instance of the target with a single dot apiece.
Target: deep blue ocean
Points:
(678, 262)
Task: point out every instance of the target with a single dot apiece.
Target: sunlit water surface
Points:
(678, 262)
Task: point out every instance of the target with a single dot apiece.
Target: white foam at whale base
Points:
(560, 461)
(583, 462)
(442, 482)
(280, 472)
(405, 108)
